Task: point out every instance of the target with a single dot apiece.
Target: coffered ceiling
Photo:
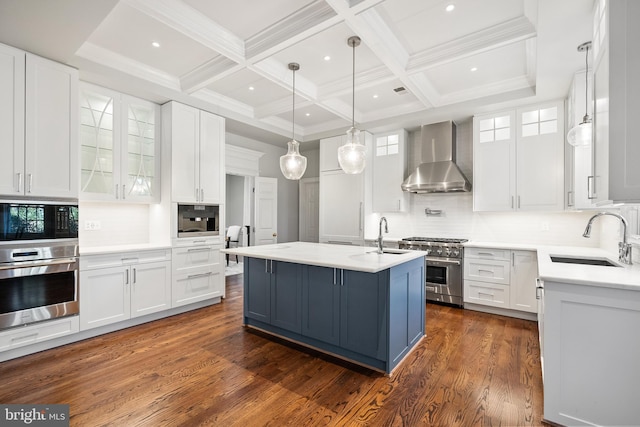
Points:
(418, 63)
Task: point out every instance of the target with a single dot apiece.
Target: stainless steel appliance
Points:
(38, 262)
(198, 220)
(443, 260)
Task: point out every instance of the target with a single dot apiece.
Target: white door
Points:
(266, 214)
(309, 210)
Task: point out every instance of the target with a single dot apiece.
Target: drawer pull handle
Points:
(486, 271)
(194, 276)
(486, 253)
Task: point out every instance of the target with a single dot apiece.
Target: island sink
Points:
(584, 261)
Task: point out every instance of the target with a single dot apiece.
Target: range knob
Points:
(447, 252)
(428, 251)
(439, 251)
(456, 253)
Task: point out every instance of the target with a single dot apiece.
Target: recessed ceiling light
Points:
(251, 88)
(155, 44)
(450, 7)
(375, 96)
(474, 68)
(308, 114)
(327, 58)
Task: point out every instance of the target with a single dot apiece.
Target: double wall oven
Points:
(38, 262)
(444, 259)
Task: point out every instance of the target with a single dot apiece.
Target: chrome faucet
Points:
(386, 230)
(624, 248)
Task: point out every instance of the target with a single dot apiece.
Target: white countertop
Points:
(620, 277)
(101, 250)
(356, 258)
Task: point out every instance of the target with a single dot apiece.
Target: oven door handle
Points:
(38, 263)
(442, 263)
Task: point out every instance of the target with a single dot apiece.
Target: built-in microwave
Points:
(198, 220)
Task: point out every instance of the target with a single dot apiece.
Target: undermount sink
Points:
(387, 251)
(584, 261)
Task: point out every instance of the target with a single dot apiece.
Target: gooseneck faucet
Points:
(624, 248)
(386, 230)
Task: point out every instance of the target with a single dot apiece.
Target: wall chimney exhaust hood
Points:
(438, 172)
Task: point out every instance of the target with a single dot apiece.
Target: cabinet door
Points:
(51, 129)
(151, 288)
(524, 270)
(321, 304)
(99, 142)
(12, 64)
(389, 164)
(329, 152)
(494, 156)
(540, 158)
(286, 294)
(105, 296)
(363, 313)
(140, 159)
(211, 157)
(341, 207)
(257, 289)
(185, 133)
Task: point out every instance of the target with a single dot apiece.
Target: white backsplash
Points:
(120, 224)
(459, 221)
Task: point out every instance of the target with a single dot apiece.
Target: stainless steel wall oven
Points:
(38, 262)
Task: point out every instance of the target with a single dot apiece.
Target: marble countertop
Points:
(621, 276)
(356, 258)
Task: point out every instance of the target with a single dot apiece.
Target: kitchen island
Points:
(347, 301)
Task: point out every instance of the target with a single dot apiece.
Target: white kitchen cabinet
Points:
(578, 164)
(39, 126)
(519, 159)
(616, 177)
(197, 272)
(344, 199)
(118, 287)
(38, 332)
(389, 165)
(501, 278)
(591, 354)
(194, 141)
(120, 146)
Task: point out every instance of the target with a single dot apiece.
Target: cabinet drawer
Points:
(20, 337)
(488, 253)
(91, 262)
(486, 294)
(197, 284)
(196, 256)
(491, 271)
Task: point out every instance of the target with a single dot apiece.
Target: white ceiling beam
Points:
(207, 73)
(500, 35)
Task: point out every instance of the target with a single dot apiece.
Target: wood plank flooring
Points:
(204, 368)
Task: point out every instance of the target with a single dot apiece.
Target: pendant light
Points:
(293, 164)
(352, 154)
(582, 134)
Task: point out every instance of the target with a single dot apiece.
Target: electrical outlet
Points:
(92, 224)
(544, 226)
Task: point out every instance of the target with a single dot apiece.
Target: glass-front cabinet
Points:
(119, 146)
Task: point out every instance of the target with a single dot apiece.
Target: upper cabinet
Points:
(519, 159)
(38, 126)
(120, 147)
(389, 164)
(194, 140)
(329, 152)
(616, 102)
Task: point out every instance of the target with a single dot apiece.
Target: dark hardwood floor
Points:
(204, 368)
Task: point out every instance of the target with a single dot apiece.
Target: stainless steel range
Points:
(444, 259)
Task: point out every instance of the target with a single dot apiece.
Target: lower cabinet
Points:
(197, 272)
(370, 318)
(32, 334)
(114, 288)
(501, 278)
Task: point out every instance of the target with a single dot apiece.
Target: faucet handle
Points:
(624, 253)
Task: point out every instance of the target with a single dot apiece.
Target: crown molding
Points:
(207, 73)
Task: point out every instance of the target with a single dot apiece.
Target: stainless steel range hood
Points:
(438, 172)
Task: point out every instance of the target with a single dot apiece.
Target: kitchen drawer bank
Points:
(152, 266)
(372, 317)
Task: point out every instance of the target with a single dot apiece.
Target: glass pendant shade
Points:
(352, 155)
(582, 134)
(293, 164)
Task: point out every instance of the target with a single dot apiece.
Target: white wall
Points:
(120, 224)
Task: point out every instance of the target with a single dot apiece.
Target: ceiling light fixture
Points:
(155, 44)
(293, 164)
(352, 154)
(582, 133)
(450, 7)
(327, 58)
(251, 88)
(474, 68)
